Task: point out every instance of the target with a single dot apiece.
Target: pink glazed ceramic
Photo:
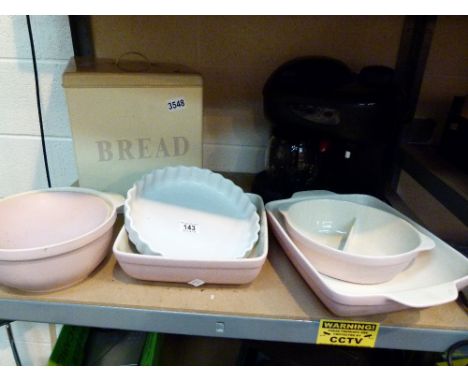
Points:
(52, 239)
(195, 271)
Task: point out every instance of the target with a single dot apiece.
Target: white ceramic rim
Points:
(35, 253)
(425, 243)
(145, 247)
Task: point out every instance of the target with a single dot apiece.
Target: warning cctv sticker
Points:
(347, 333)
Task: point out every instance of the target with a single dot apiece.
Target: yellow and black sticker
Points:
(347, 333)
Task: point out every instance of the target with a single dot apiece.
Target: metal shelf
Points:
(445, 182)
(216, 325)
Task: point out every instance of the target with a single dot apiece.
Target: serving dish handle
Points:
(426, 243)
(422, 298)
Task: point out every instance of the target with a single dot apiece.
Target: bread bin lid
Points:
(85, 72)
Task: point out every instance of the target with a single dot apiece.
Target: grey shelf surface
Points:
(215, 325)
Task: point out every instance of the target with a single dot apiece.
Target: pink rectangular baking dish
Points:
(195, 272)
(434, 278)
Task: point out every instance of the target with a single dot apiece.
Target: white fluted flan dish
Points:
(190, 213)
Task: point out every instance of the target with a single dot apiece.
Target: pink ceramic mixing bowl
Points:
(51, 239)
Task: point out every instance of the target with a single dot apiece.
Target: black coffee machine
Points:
(332, 129)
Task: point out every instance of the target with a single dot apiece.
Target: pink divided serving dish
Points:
(353, 242)
(51, 239)
(195, 271)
